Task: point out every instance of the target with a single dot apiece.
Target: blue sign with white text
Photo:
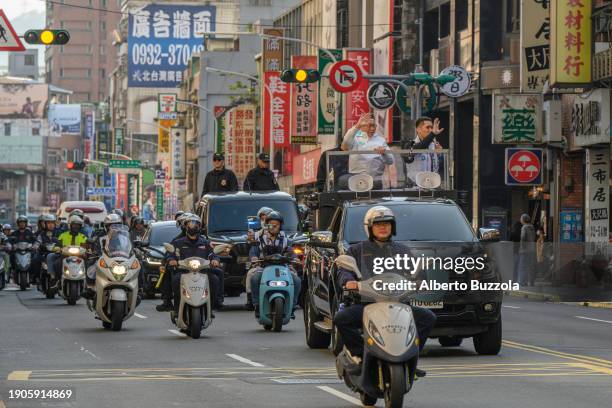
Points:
(162, 39)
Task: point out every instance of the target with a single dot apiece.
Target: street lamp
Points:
(253, 78)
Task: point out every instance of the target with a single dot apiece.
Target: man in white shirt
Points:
(363, 137)
(426, 132)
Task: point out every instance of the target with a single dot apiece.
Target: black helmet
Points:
(22, 218)
(274, 216)
(178, 214)
(192, 224)
(138, 220)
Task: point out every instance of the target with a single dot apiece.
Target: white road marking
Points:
(511, 307)
(178, 333)
(340, 395)
(140, 316)
(245, 360)
(590, 318)
(84, 350)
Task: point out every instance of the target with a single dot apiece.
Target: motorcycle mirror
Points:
(349, 263)
(219, 249)
(169, 247)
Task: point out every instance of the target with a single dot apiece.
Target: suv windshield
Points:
(415, 222)
(225, 216)
(160, 234)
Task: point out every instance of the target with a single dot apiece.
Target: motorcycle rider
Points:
(4, 251)
(138, 229)
(50, 236)
(72, 237)
(96, 249)
(379, 223)
(274, 241)
(22, 234)
(165, 280)
(253, 238)
(121, 215)
(7, 230)
(193, 244)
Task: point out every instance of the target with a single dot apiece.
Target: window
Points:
(31, 178)
(461, 14)
(102, 25)
(35, 131)
(7, 129)
(444, 27)
(62, 25)
(28, 60)
(102, 73)
(103, 3)
(513, 16)
(76, 155)
(65, 155)
(102, 50)
(61, 72)
(38, 183)
(88, 75)
(89, 25)
(89, 49)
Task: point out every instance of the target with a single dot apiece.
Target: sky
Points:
(23, 15)
(14, 8)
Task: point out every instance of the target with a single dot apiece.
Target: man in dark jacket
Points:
(261, 178)
(220, 179)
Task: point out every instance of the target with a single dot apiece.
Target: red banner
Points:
(305, 167)
(240, 140)
(122, 192)
(304, 98)
(276, 113)
(356, 102)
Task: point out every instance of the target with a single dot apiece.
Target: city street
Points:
(554, 355)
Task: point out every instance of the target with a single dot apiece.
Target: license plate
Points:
(437, 304)
(153, 278)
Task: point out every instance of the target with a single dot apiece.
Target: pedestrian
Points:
(515, 238)
(526, 263)
(426, 131)
(363, 137)
(261, 178)
(220, 179)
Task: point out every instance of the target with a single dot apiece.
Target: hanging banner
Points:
(305, 167)
(591, 118)
(103, 144)
(90, 121)
(276, 113)
(304, 101)
(240, 140)
(356, 102)
(327, 104)
(535, 45)
(178, 152)
(597, 198)
(517, 119)
(132, 182)
(570, 42)
(122, 192)
(159, 202)
(119, 141)
(163, 139)
(273, 50)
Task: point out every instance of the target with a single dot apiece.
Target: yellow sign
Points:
(163, 136)
(535, 45)
(571, 51)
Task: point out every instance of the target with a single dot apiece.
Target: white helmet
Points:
(75, 219)
(376, 214)
(112, 219)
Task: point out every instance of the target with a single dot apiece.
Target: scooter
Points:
(116, 287)
(48, 283)
(4, 266)
(391, 344)
(275, 292)
(195, 307)
(72, 281)
(23, 264)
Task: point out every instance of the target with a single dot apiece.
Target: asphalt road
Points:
(554, 355)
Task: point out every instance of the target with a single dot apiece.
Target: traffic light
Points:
(47, 37)
(80, 166)
(300, 76)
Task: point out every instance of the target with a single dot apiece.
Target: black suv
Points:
(429, 227)
(225, 220)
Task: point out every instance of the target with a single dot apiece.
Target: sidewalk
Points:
(591, 297)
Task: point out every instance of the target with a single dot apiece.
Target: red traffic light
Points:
(70, 165)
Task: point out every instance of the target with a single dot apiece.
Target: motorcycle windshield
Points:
(118, 242)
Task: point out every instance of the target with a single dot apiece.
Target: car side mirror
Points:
(221, 248)
(349, 263)
(489, 234)
(322, 239)
(169, 248)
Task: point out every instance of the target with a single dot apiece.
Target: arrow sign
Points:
(9, 41)
(345, 76)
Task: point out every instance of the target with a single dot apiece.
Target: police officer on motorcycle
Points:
(73, 236)
(49, 235)
(96, 249)
(138, 229)
(273, 242)
(193, 244)
(22, 234)
(379, 223)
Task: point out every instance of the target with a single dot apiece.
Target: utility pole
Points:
(411, 53)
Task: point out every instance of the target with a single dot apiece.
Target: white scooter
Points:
(4, 275)
(23, 263)
(73, 273)
(391, 344)
(116, 289)
(195, 307)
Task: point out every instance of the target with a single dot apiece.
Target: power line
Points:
(59, 3)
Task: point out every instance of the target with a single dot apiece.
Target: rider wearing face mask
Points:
(73, 236)
(253, 237)
(193, 244)
(273, 242)
(379, 223)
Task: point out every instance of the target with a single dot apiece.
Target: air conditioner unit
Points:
(551, 116)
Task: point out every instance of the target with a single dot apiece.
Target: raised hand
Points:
(436, 127)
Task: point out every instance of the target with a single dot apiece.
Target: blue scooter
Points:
(275, 292)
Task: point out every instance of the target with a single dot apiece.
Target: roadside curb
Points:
(544, 297)
(597, 305)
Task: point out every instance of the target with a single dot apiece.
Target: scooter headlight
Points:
(119, 271)
(375, 333)
(411, 335)
(276, 284)
(194, 264)
(74, 250)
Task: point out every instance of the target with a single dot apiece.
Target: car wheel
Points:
(489, 343)
(315, 338)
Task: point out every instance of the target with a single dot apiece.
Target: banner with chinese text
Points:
(273, 50)
(535, 45)
(517, 119)
(276, 112)
(240, 139)
(327, 104)
(356, 102)
(304, 101)
(597, 197)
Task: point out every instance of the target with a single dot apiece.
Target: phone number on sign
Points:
(153, 54)
(41, 394)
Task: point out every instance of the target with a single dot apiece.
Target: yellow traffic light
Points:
(47, 37)
(301, 75)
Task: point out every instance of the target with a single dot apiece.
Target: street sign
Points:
(9, 40)
(160, 177)
(101, 191)
(345, 76)
(523, 166)
(381, 95)
(166, 102)
(460, 86)
(124, 164)
(167, 115)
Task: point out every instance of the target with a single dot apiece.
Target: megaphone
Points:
(360, 183)
(428, 180)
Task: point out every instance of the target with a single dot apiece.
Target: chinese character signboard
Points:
(166, 103)
(119, 140)
(535, 44)
(327, 104)
(122, 191)
(90, 137)
(570, 42)
(240, 140)
(228, 141)
(356, 102)
(102, 143)
(570, 224)
(273, 50)
(523, 167)
(161, 40)
(304, 98)
(305, 167)
(591, 118)
(597, 195)
(276, 113)
(517, 119)
(163, 137)
(178, 152)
